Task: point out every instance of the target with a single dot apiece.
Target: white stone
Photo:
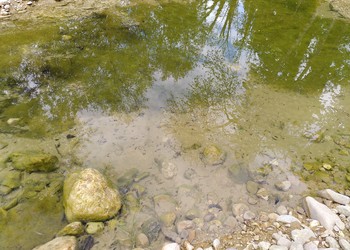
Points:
(314, 223)
(216, 244)
(188, 246)
(345, 245)
(3, 2)
(296, 246)
(334, 196)
(284, 242)
(275, 247)
(345, 210)
(264, 245)
(302, 235)
(282, 210)
(323, 214)
(287, 219)
(60, 243)
(332, 242)
(171, 246)
(310, 246)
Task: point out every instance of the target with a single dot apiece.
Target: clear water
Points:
(158, 83)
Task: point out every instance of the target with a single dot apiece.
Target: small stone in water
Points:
(216, 243)
(29, 3)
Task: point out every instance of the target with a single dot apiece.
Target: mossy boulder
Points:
(88, 196)
(33, 161)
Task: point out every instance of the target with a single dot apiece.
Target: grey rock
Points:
(282, 210)
(184, 225)
(248, 215)
(252, 187)
(239, 209)
(151, 229)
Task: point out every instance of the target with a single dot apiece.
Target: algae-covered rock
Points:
(94, 227)
(33, 161)
(10, 178)
(60, 243)
(87, 196)
(75, 228)
(212, 155)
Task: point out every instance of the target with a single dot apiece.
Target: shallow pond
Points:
(147, 90)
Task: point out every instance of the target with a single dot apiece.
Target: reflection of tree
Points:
(104, 64)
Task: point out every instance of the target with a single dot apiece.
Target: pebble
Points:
(345, 245)
(239, 209)
(282, 210)
(282, 241)
(216, 244)
(94, 227)
(287, 219)
(332, 242)
(302, 235)
(29, 3)
(283, 185)
(249, 215)
(263, 194)
(171, 246)
(264, 245)
(310, 246)
(345, 210)
(142, 240)
(252, 187)
(183, 225)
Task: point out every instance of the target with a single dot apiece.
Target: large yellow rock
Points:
(87, 196)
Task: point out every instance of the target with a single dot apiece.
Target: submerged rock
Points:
(87, 196)
(60, 243)
(32, 161)
(334, 196)
(10, 178)
(212, 155)
(74, 228)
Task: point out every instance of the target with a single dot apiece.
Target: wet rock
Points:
(33, 161)
(341, 6)
(168, 169)
(302, 235)
(87, 196)
(59, 243)
(190, 174)
(151, 229)
(212, 155)
(184, 225)
(231, 222)
(168, 219)
(323, 214)
(283, 185)
(171, 246)
(239, 209)
(164, 203)
(263, 194)
(171, 235)
(142, 240)
(282, 210)
(75, 228)
(334, 196)
(252, 187)
(10, 178)
(94, 227)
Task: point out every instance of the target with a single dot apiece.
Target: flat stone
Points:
(323, 214)
(32, 161)
(60, 243)
(287, 219)
(334, 196)
(302, 235)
